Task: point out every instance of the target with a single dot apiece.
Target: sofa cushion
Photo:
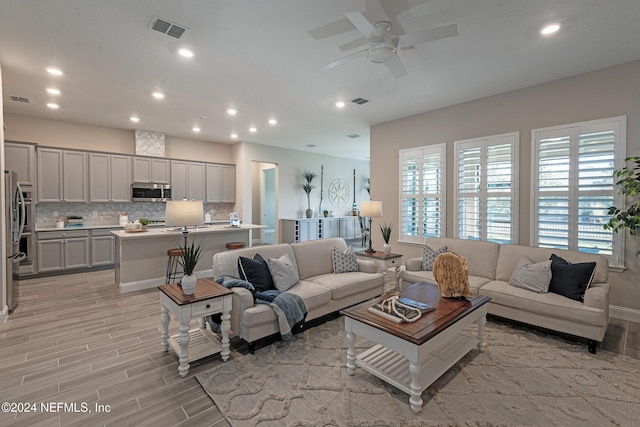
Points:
(256, 272)
(346, 284)
(311, 293)
(313, 257)
(225, 263)
(532, 276)
(475, 282)
(283, 272)
(570, 280)
(344, 261)
(481, 256)
(549, 305)
(429, 257)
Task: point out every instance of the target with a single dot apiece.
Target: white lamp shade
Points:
(184, 212)
(371, 209)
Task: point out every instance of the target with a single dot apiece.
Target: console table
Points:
(208, 298)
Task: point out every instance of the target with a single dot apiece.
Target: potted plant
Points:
(628, 184)
(189, 256)
(386, 235)
(307, 187)
(145, 222)
(325, 213)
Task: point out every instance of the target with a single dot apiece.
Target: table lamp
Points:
(184, 213)
(370, 209)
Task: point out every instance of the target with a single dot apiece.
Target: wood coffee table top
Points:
(447, 311)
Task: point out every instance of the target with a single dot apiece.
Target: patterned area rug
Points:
(523, 378)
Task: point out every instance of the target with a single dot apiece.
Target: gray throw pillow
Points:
(283, 272)
(532, 276)
(429, 257)
(344, 261)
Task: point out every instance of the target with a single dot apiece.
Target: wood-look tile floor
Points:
(74, 339)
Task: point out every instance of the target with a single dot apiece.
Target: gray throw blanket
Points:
(291, 310)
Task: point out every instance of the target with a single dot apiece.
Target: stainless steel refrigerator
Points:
(16, 210)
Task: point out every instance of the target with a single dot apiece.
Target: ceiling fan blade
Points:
(332, 29)
(364, 26)
(353, 44)
(396, 67)
(429, 35)
(345, 59)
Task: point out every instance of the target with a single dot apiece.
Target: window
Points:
(422, 193)
(573, 186)
(486, 188)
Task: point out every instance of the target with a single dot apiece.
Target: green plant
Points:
(628, 184)
(144, 221)
(190, 255)
(307, 186)
(386, 232)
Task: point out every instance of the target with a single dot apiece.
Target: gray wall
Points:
(605, 93)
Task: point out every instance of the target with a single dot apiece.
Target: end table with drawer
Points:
(384, 261)
(193, 344)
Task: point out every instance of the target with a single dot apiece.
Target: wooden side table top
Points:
(378, 255)
(205, 289)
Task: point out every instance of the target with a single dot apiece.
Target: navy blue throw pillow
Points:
(570, 280)
(255, 271)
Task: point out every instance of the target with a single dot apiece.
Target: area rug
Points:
(524, 377)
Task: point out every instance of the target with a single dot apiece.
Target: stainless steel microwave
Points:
(148, 192)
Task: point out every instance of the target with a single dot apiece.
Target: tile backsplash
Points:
(107, 213)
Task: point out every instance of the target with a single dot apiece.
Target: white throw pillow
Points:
(344, 261)
(283, 272)
(532, 276)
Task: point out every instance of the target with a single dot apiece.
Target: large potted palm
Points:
(307, 187)
(189, 256)
(628, 184)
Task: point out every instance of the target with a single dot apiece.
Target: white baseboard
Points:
(624, 313)
(139, 285)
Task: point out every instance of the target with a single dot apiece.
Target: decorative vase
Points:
(386, 248)
(188, 284)
(309, 213)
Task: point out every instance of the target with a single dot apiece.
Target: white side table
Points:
(385, 262)
(193, 344)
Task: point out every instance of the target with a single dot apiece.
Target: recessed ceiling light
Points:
(273, 122)
(134, 119)
(157, 95)
(200, 117)
(186, 52)
(252, 129)
(53, 106)
(340, 104)
(310, 145)
(234, 135)
(53, 91)
(195, 129)
(232, 112)
(55, 71)
(550, 29)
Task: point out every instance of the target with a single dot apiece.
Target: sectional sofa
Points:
(490, 268)
(322, 290)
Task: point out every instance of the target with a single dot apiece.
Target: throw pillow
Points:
(532, 276)
(344, 261)
(570, 280)
(429, 256)
(283, 272)
(256, 272)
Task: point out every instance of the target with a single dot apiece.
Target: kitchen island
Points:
(141, 258)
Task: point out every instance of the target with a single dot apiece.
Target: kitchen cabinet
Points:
(150, 169)
(299, 230)
(109, 178)
(63, 250)
(220, 183)
(349, 227)
(62, 175)
(103, 247)
(187, 180)
(21, 158)
(329, 227)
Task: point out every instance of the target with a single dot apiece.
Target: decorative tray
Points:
(134, 231)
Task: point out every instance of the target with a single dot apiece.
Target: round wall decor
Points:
(338, 192)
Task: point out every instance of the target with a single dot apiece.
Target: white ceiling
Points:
(259, 57)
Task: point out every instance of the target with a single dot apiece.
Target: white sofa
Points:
(491, 266)
(322, 291)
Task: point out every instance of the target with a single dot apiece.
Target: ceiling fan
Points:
(384, 45)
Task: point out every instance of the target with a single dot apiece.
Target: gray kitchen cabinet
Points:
(21, 158)
(63, 250)
(62, 175)
(187, 180)
(103, 247)
(109, 178)
(150, 169)
(220, 183)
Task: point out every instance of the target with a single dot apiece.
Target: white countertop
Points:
(175, 231)
(48, 227)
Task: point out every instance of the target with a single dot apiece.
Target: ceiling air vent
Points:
(167, 27)
(359, 101)
(20, 99)
(353, 135)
